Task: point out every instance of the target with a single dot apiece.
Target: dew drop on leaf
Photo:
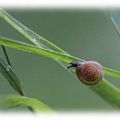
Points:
(8, 67)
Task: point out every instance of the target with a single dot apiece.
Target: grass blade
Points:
(10, 75)
(49, 53)
(46, 48)
(44, 43)
(105, 89)
(6, 56)
(33, 49)
(14, 101)
(112, 73)
(108, 91)
(117, 29)
(31, 35)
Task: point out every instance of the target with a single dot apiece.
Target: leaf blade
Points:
(10, 75)
(29, 34)
(14, 100)
(52, 47)
(52, 54)
(33, 49)
(35, 39)
(113, 93)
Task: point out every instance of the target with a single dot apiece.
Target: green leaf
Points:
(14, 100)
(104, 88)
(31, 35)
(112, 73)
(115, 18)
(50, 53)
(44, 43)
(33, 49)
(44, 47)
(108, 91)
(11, 77)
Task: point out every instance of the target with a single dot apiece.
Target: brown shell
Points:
(89, 72)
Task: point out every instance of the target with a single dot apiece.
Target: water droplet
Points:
(34, 38)
(8, 67)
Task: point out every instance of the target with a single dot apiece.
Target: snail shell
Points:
(89, 72)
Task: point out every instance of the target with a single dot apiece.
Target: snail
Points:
(88, 72)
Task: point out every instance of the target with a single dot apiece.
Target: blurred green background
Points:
(88, 34)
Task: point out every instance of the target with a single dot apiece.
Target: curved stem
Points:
(9, 63)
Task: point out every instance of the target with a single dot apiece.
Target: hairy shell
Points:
(89, 72)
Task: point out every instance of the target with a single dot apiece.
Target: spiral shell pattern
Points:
(89, 72)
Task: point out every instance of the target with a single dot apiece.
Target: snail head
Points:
(75, 64)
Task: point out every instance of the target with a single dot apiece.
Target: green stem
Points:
(31, 35)
(13, 101)
(44, 43)
(50, 53)
(41, 51)
(108, 91)
(114, 23)
(105, 89)
(6, 55)
(9, 63)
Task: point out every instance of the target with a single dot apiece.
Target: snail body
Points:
(88, 72)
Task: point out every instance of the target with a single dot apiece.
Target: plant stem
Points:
(108, 91)
(6, 55)
(105, 89)
(9, 63)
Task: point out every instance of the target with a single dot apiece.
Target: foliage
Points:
(42, 46)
